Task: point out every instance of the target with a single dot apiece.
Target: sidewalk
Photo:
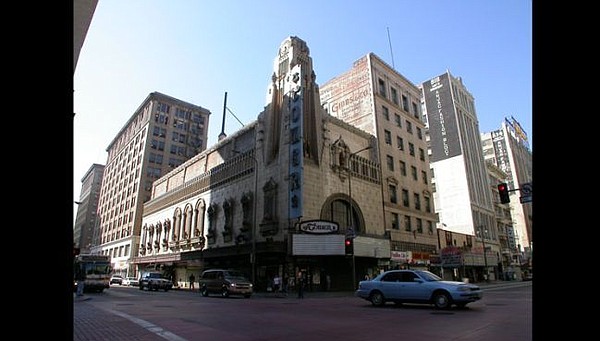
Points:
(92, 323)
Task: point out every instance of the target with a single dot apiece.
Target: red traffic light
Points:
(349, 246)
(503, 192)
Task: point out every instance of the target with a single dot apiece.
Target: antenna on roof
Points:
(222, 135)
(390, 42)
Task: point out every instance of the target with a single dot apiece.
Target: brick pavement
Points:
(91, 324)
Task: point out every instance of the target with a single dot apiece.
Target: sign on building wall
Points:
(348, 96)
(319, 227)
(441, 116)
(296, 94)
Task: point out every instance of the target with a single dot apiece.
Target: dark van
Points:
(225, 283)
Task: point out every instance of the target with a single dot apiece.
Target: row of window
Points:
(385, 112)
(178, 123)
(195, 141)
(121, 251)
(395, 99)
(408, 226)
(400, 145)
(393, 195)
(413, 170)
(158, 159)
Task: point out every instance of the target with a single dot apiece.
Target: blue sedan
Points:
(417, 286)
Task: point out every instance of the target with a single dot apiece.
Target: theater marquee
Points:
(319, 227)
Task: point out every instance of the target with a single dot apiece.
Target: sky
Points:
(196, 50)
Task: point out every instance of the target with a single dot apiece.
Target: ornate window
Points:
(199, 222)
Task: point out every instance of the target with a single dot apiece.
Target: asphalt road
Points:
(122, 313)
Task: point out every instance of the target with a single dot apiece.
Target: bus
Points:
(97, 269)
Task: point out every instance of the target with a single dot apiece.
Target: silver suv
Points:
(155, 281)
(224, 283)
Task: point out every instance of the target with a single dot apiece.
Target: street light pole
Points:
(350, 213)
(481, 232)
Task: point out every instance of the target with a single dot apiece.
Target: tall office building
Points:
(162, 134)
(462, 192)
(375, 98)
(508, 149)
(85, 222)
(83, 12)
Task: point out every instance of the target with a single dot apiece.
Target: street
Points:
(126, 313)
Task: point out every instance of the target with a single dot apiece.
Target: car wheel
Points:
(225, 292)
(204, 291)
(377, 299)
(441, 300)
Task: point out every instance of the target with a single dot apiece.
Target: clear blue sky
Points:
(196, 50)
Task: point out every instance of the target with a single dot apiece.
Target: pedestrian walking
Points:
(300, 284)
(192, 279)
(276, 283)
(80, 278)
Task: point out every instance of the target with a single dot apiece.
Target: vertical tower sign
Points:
(442, 118)
(296, 95)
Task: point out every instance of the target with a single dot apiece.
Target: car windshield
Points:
(428, 276)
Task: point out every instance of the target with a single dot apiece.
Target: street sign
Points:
(350, 232)
(526, 190)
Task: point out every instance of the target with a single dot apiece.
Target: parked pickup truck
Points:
(155, 281)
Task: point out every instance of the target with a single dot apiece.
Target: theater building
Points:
(278, 197)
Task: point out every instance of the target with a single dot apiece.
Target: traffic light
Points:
(349, 244)
(503, 191)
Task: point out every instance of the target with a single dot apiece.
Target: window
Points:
(388, 137)
(405, 103)
(430, 227)
(427, 204)
(405, 200)
(400, 142)
(395, 221)
(415, 110)
(394, 96)
(409, 127)
(419, 225)
(413, 171)
(411, 149)
(424, 176)
(385, 112)
(393, 194)
(407, 224)
(421, 154)
(382, 91)
(419, 133)
(403, 168)
(398, 120)
(417, 199)
(390, 163)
